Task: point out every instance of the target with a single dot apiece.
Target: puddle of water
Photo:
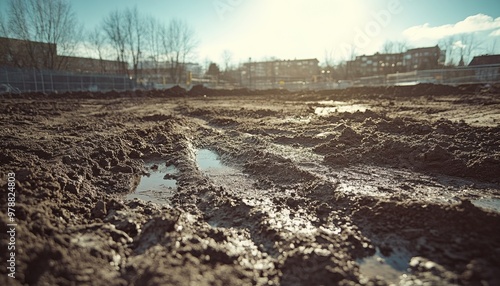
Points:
(210, 163)
(341, 108)
(488, 204)
(390, 268)
(158, 186)
(331, 106)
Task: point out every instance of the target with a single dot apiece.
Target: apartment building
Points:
(382, 64)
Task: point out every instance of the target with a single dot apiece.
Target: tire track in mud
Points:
(282, 214)
(317, 187)
(296, 233)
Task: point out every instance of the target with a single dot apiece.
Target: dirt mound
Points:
(443, 147)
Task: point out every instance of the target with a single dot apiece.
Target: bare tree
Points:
(154, 31)
(394, 47)
(492, 48)
(388, 47)
(227, 57)
(447, 44)
(113, 26)
(469, 45)
(96, 43)
(179, 44)
(135, 37)
(329, 61)
(46, 28)
(125, 31)
(3, 26)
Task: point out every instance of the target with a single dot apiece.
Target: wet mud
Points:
(359, 187)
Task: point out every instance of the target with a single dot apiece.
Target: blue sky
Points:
(289, 29)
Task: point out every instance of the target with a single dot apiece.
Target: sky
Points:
(322, 29)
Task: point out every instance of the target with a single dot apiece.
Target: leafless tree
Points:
(179, 44)
(227, 57)
(114, 28)
(329, 61)
(447, 44)
(135, 28)
(492, 48)
(46, 28)
(394, 47)
(400, 47)
(125, 31)
(3, 25)
(96, 43)
(469, 45)
(154, 32)
(387, 47)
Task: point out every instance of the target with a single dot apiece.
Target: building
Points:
(377, 64)
(279, 72)
(423, 58)
(29, 54)
(485, 60)
(90, 65)
(20, 53)
(383, 64)
(487, 68)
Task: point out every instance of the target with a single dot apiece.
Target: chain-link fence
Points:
(454, 76)
(33, 80)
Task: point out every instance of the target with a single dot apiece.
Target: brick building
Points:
(29, 54)
(377, 64)
(382, 64)
(424, 58)
(19, 53)
(487, 68)
(90, 65)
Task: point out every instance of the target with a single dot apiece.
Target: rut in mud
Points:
(272, 189)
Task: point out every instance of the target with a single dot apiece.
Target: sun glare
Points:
(297, 23)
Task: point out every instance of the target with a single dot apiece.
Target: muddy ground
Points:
(359, 187)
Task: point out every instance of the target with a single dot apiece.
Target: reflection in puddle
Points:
(390, 268)
(209, 163)
(488, 204)
(159, 186)
(341, 108)
(338, 106)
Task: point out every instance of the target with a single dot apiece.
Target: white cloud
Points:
(495, 33)
(459, 45)
(475, 23)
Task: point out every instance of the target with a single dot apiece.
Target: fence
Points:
(32, 80)
(454, 76)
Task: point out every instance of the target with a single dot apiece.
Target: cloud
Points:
(495, 33)
(459, 45)
(475, 23)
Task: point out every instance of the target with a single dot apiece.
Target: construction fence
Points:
(452, 76)
(33, 80)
